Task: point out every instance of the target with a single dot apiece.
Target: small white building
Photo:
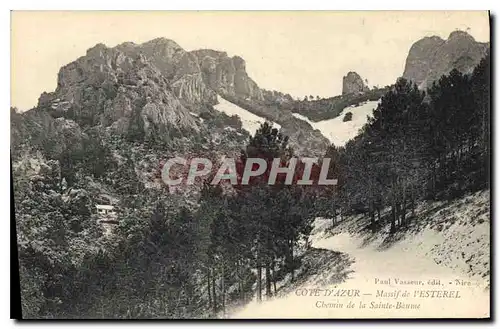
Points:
(107, 217)
(105, 210)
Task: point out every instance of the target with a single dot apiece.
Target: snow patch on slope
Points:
(339, 132)
(250, 121)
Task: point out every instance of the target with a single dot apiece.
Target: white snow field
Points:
(339, 132)
(250, 121)
(436, 256)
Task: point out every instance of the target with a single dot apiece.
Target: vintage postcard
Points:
(251, 165)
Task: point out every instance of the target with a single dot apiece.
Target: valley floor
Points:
(445, 248)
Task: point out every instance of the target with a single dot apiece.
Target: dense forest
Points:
(171, 260)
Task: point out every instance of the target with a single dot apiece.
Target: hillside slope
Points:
(445, 241)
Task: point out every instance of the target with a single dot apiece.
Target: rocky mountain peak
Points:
(461, 35)
(353, 83)
(431, 57)
(151, 90)
(97, 49)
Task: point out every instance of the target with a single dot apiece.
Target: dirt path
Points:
(375, 272)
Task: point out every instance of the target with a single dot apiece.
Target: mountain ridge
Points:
(151, 89)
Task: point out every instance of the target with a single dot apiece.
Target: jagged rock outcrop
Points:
(432, 57)
(353, 84)
(227, 75)
(156, 91)
(126, 88)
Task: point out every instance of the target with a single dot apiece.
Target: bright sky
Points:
(301, 53)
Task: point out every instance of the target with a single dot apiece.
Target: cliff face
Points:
(227, 75)
(151, 87)
(432, 57)
(353, 84)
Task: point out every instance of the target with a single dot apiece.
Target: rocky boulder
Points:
(127, 88)
(347, 117)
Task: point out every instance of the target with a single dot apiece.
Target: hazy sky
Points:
(300, 53)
